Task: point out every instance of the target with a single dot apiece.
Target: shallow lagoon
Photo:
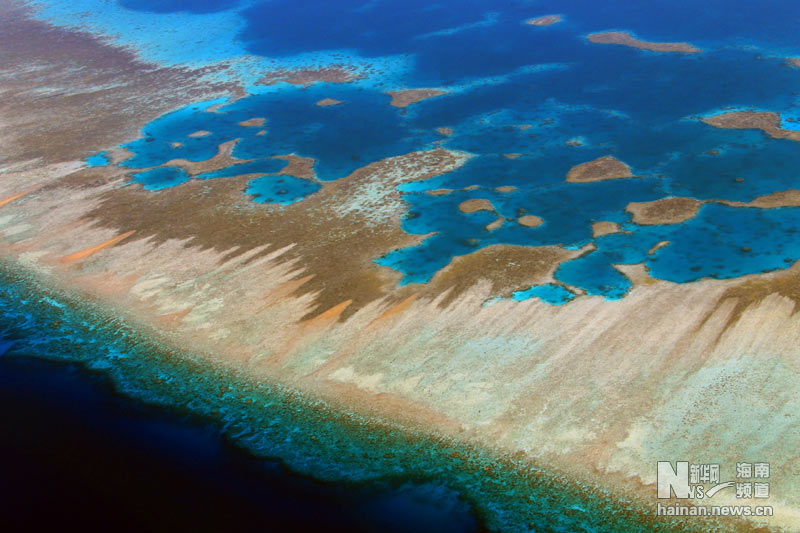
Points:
(593, 100)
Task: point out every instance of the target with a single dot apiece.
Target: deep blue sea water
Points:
(75, 452)
(642, 107)
(77, 449)
(105, 428)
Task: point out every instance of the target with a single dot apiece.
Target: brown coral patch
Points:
(546, 20)
(406, 97)
(604, 227)
(475, 204)
(664, 211)
(223, 159)
(765, 121)
(253, 122)
(299, 167)
(311, 75)
(626, 39)
(508, 268)
(328, 241)
(327, 102)
(530, 221)
(787, 198)
(498, 222)
(756, 289)
(603, 168)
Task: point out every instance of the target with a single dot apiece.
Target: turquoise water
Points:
(549, 292)
(161, 178)
(100, 159)
(577, 100)
(284, 190)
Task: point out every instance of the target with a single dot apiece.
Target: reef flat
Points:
(622, 290)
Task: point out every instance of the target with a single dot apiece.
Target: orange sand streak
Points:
(395, 309)
(283, 290)
(171, 319)
(88, 252)
(330, 314)
(16, 196)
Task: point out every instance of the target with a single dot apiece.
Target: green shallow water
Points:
(309, 436)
